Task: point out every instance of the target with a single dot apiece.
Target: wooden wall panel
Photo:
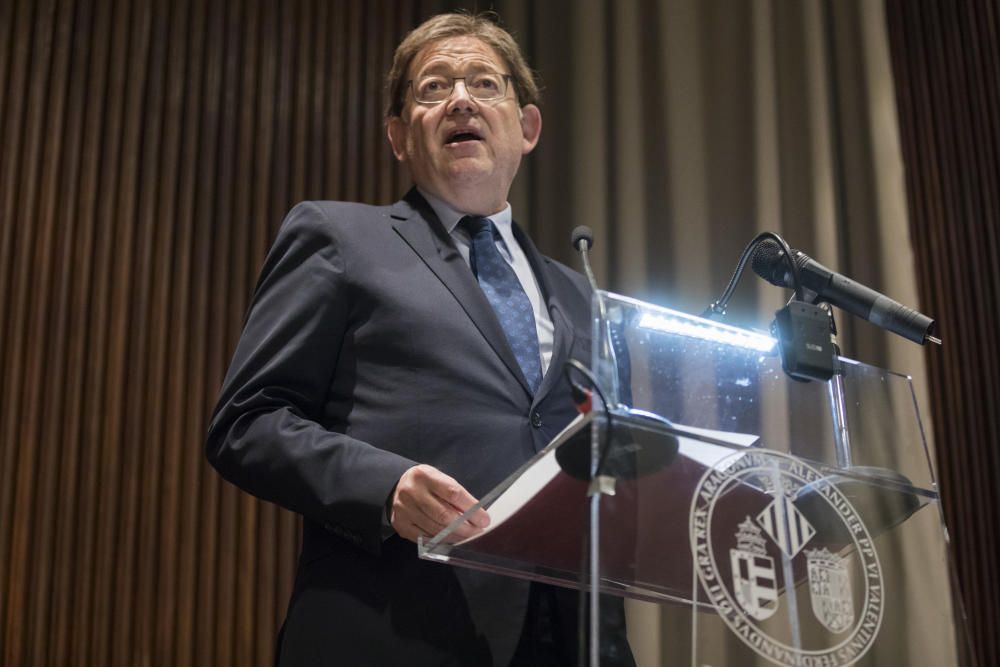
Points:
(150, 150)
(946, 58)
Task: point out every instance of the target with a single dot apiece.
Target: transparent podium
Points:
(775, 521)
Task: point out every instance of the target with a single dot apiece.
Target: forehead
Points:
(456, 53)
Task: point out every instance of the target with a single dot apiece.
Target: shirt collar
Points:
(450, 217)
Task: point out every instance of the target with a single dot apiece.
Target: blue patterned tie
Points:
(504, 292)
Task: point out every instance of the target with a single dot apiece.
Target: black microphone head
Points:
(768, 262)
(583, 233)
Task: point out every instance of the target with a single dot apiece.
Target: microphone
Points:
(769, 263)
(583, 233)
(613, 344)
(583, 241)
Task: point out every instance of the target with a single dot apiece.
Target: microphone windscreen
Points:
(583, 233)
(767, 262)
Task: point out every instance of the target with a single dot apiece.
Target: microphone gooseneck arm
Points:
(583, 240)
(718, 308)
(585, 253)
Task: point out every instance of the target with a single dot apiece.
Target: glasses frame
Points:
(507, 78)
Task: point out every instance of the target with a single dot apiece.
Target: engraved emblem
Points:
(830, 590)
(754, 581)
(785, 524)
(752, 565)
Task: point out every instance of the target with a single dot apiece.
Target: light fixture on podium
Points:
(692, 327)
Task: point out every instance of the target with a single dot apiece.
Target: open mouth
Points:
(460, 136)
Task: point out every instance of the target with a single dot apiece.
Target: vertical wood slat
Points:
(229, 649)
(15, 65)
(195, 617)
(8, 49)
(354, 78)
(267, 607)
(128, 334)
(370, 116)
(50, 328)
(237, 507)
(300, 48)
(249, 601)
(336, 98)
(946, 59)
(176, 630)
(150, 151)
(70, 380)
(162, 625)
(86, 312)
(23, 362)
(147, 428)
(318, 86)
(103, 420)
(264, 135)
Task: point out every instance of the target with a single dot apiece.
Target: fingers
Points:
(426, 501)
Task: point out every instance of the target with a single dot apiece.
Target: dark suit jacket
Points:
(369, 347)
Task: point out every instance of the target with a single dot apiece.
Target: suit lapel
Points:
(419, 227)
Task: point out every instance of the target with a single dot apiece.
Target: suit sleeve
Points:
(266, 434)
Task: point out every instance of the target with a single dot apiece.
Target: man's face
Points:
(462, 150)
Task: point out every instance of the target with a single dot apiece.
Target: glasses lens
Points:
(433, 88)
(484, 86)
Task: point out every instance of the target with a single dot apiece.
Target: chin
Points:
(469, 171)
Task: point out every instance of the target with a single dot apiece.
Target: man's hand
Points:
(426, 500)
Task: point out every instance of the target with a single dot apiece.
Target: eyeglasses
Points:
(484, 87)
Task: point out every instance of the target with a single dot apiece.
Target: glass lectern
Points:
(778, 521)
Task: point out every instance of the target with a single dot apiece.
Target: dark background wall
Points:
(149, 151)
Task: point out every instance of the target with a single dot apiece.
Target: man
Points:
(381, 386)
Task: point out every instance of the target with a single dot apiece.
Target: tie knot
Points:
(475, 225)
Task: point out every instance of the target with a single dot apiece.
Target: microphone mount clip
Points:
(806, 340)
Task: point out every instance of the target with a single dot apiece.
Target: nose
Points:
(460, 100)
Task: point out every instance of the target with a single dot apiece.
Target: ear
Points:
(531, 127)
(397, 131)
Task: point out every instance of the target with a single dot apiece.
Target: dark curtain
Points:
(946, 61)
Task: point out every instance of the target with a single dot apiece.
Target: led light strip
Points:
(706, 331)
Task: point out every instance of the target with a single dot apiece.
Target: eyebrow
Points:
(445, 67)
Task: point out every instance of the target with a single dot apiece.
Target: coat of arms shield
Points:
(830, 590)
